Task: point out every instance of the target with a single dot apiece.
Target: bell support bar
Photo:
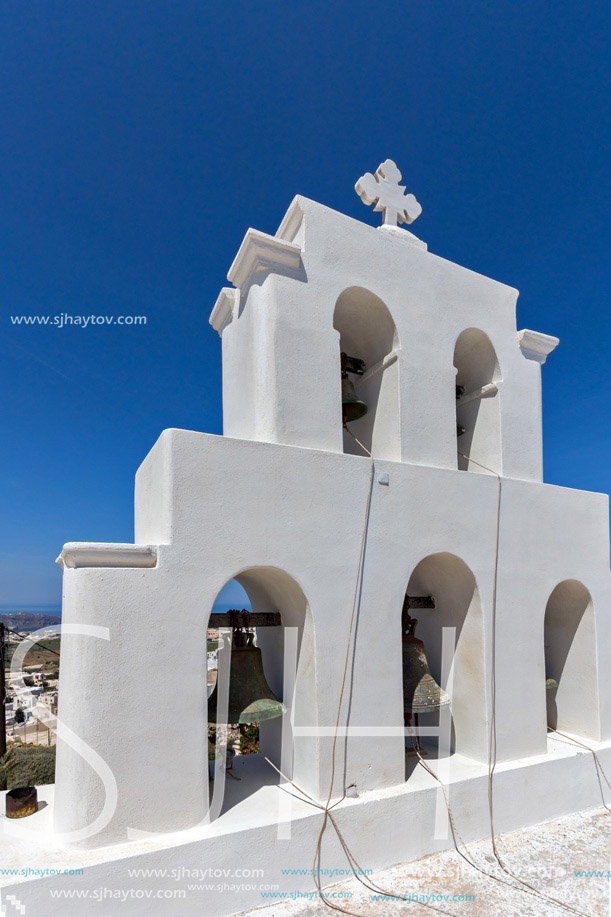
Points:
(351, 365)
(414, 601)
(418, 601)
(244, 618)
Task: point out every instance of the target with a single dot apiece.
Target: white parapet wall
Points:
(290, 531)
(262, 846)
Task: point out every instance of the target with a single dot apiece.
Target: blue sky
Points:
(141, 140)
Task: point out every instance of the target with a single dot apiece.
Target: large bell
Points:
(421, 693)
(251, 699)
(352, 408)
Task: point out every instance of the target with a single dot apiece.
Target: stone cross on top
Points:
(385, 191)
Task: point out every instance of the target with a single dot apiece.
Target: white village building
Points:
(289, 504)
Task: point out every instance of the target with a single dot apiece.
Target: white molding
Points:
(77, 554)
(535, 345)
(224, 308)
(262, 252)
(292, 220)
(485, 391)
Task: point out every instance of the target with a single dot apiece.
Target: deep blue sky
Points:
(141, 140)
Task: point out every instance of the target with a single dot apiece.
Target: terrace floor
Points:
(548, 856)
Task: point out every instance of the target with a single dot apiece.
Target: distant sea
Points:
(52, 608)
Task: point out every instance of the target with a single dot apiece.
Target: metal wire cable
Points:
(523, 886)
(455, 834)
(575, 741)
(492, 733)
(369, 883)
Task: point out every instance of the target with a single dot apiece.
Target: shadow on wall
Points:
(571, 659)
(367, 331)
(457, 605)
(477, 411)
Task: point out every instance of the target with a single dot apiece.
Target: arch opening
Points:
(367, 332)
(458, 614)
(477, 402)
(289, 667)
(570, 661)
(231, 596)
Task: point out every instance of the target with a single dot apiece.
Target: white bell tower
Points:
(451, 506)
(326, 283)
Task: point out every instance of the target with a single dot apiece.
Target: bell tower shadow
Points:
(367, 332)
(570, 661)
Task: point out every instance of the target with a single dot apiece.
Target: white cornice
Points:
(224, 308)
(261, 252)
(77, 554)
(291, 221)
(535, 345)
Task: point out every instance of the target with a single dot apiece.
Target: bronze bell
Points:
(251, 699)
(421, 693)
(352, 407)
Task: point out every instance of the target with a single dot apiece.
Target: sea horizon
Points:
(32, 608)
(55, 608)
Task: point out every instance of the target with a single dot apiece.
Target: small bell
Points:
(352, 407)
(251, 700)
(421, 693)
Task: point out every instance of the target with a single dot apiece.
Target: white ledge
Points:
(486, 391)
(261, 252)
(535, 345)
(224, 308)
(90, 554)
(381, 365)
(291, 222)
